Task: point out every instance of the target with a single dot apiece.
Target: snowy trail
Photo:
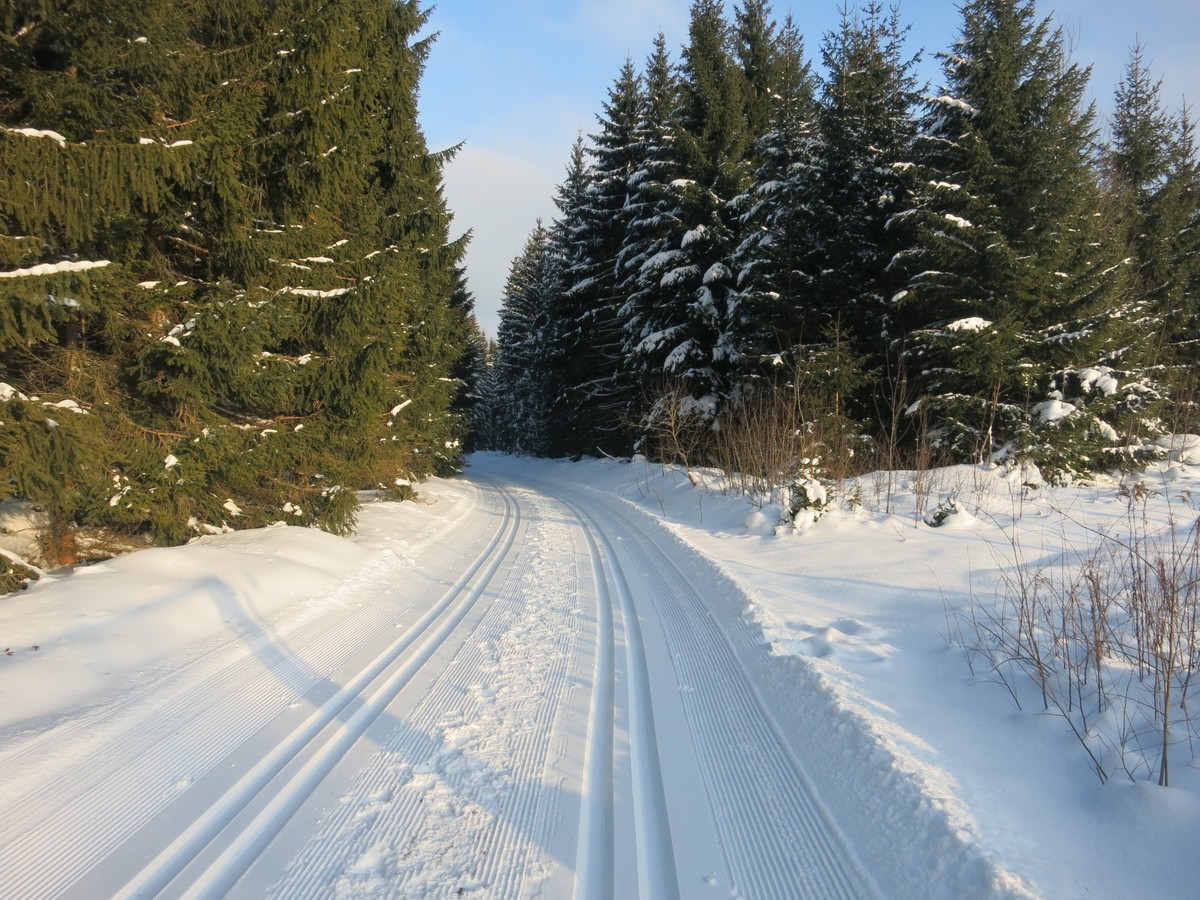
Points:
(772, 834)
(546, 705)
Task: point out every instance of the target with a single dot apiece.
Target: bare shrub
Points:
(787, 440)
(676, 429)
(1110, 637)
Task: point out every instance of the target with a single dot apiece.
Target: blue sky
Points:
(516, 80)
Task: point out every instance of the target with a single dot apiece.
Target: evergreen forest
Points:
(230, 292)
(232, 295)
(804, 272)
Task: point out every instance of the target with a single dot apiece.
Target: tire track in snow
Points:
(315, 746)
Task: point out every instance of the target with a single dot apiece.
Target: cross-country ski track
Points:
(536, 698)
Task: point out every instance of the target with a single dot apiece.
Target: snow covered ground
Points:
(917, 757)
(589, 679)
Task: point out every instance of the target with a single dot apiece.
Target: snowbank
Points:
(68, 633)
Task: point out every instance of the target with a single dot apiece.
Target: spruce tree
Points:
(653, 214)
(91, 135)
(859, 179)
(599, 390)
(231, 251)
(758, 48)
(566, 331)
(524, 372)
(1007, 302)
(683, 323)
(775, 212)
(1178, 204)
(1151, 174)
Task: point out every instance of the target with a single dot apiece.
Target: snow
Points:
(7, 392)
(1102, 379)
(716, 273)
(1181, 448)
(54, 268)
(847, 630)
(680, 275)
(971, 323)
(312, 292)
(72, 405)
(679, 356)
(956, 103)
(1053, 410)
(662, 260)
(855, 608)
(39, 133)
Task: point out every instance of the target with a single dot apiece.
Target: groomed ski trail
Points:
(546, 706)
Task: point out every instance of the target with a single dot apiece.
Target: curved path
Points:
(547, 707)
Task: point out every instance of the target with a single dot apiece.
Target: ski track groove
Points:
(374, 687)
(779, 841)
(111, 802)
(595, 851)
(512, 810)
(97, 808)
(657, 877)
(458, 793)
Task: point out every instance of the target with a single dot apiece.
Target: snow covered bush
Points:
(944, 510)
(810, 497)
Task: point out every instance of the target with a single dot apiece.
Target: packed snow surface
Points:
(555, 679)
